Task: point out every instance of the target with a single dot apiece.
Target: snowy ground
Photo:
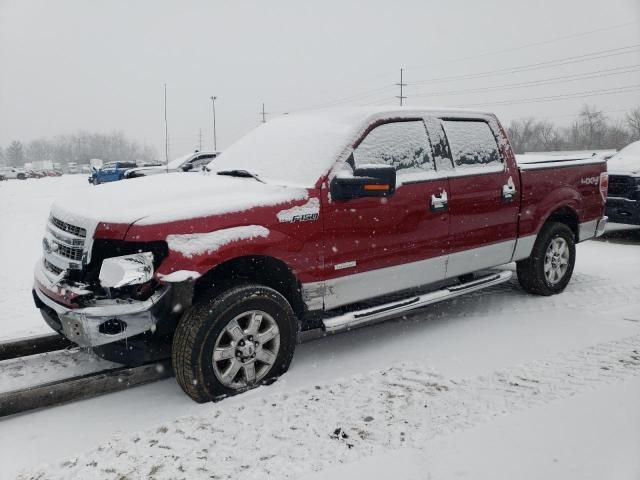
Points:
(495, 385)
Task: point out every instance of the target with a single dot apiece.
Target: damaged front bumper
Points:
(106, 320)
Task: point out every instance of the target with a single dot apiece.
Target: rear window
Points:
(472, 143)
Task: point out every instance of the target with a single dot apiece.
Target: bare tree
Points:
(633, 123)
(15, 154)
(83, 146)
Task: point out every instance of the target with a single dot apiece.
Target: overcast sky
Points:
(101, 65)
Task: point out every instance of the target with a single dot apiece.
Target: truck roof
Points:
(297, 149)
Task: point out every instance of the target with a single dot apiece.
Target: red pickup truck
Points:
(316, 222)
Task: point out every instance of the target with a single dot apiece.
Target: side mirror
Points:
(367, 181)
(187, 167)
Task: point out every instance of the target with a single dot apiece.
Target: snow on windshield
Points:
(291, 150)
(176, 162)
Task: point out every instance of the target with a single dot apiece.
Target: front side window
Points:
(472, 143)
(402, 145)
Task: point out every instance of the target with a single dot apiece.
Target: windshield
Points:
(291, 150)
(177, 162)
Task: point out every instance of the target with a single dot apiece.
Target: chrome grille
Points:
(72, 253)
(621, 186)
(52, 268)
(64, 245)
(67, 227)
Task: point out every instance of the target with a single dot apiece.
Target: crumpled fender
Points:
(275, 244)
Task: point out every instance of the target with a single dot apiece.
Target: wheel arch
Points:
(566, 215)
(261, 269)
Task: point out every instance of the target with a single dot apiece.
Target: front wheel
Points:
(549, 268)
(234, 341)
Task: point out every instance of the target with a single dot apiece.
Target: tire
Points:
(549, 268)
(208, 326)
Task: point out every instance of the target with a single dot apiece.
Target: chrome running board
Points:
(373, 314)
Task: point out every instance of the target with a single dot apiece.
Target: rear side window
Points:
(472, 143)
(403, 145)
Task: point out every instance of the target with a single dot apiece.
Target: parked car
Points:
(192, 162)
(34, 174)
(623, 202)
(315, 223)
(110, 172)
(13, 173)
(73, 168)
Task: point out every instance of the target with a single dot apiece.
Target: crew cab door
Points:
(375, 246)
(484, 198)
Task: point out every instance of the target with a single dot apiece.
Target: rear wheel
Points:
(549, 268)
(234, 341)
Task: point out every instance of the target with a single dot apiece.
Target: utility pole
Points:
(166, 130)
(200, 140)
(213, 106)
(401, 85)
(264, 115)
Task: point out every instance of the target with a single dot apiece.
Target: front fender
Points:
(193, 255)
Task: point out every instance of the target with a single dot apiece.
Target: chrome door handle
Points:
(509, 190)
(440, 202)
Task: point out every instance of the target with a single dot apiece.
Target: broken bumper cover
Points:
(106, 321)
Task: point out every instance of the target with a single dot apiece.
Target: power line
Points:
(548, 81)
(330, 103)
(570, 115)
(589, 93)
(528, 45)
(369, 93)
(536, 66)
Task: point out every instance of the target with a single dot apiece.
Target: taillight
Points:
(604, 185)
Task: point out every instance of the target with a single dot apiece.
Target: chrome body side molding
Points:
(592, 229)
(475, 259)
(381, 312)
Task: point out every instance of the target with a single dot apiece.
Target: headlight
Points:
(126, 270)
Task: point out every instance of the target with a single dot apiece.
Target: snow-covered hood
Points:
(172, 197)
(623, 163)
(626, 161)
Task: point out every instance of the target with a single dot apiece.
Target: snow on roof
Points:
(298, 149)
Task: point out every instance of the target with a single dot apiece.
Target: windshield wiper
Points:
(241, 173)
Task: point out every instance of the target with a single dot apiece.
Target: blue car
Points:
(110, 172)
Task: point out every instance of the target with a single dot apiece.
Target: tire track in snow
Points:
(284, 435)
(585, 296)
